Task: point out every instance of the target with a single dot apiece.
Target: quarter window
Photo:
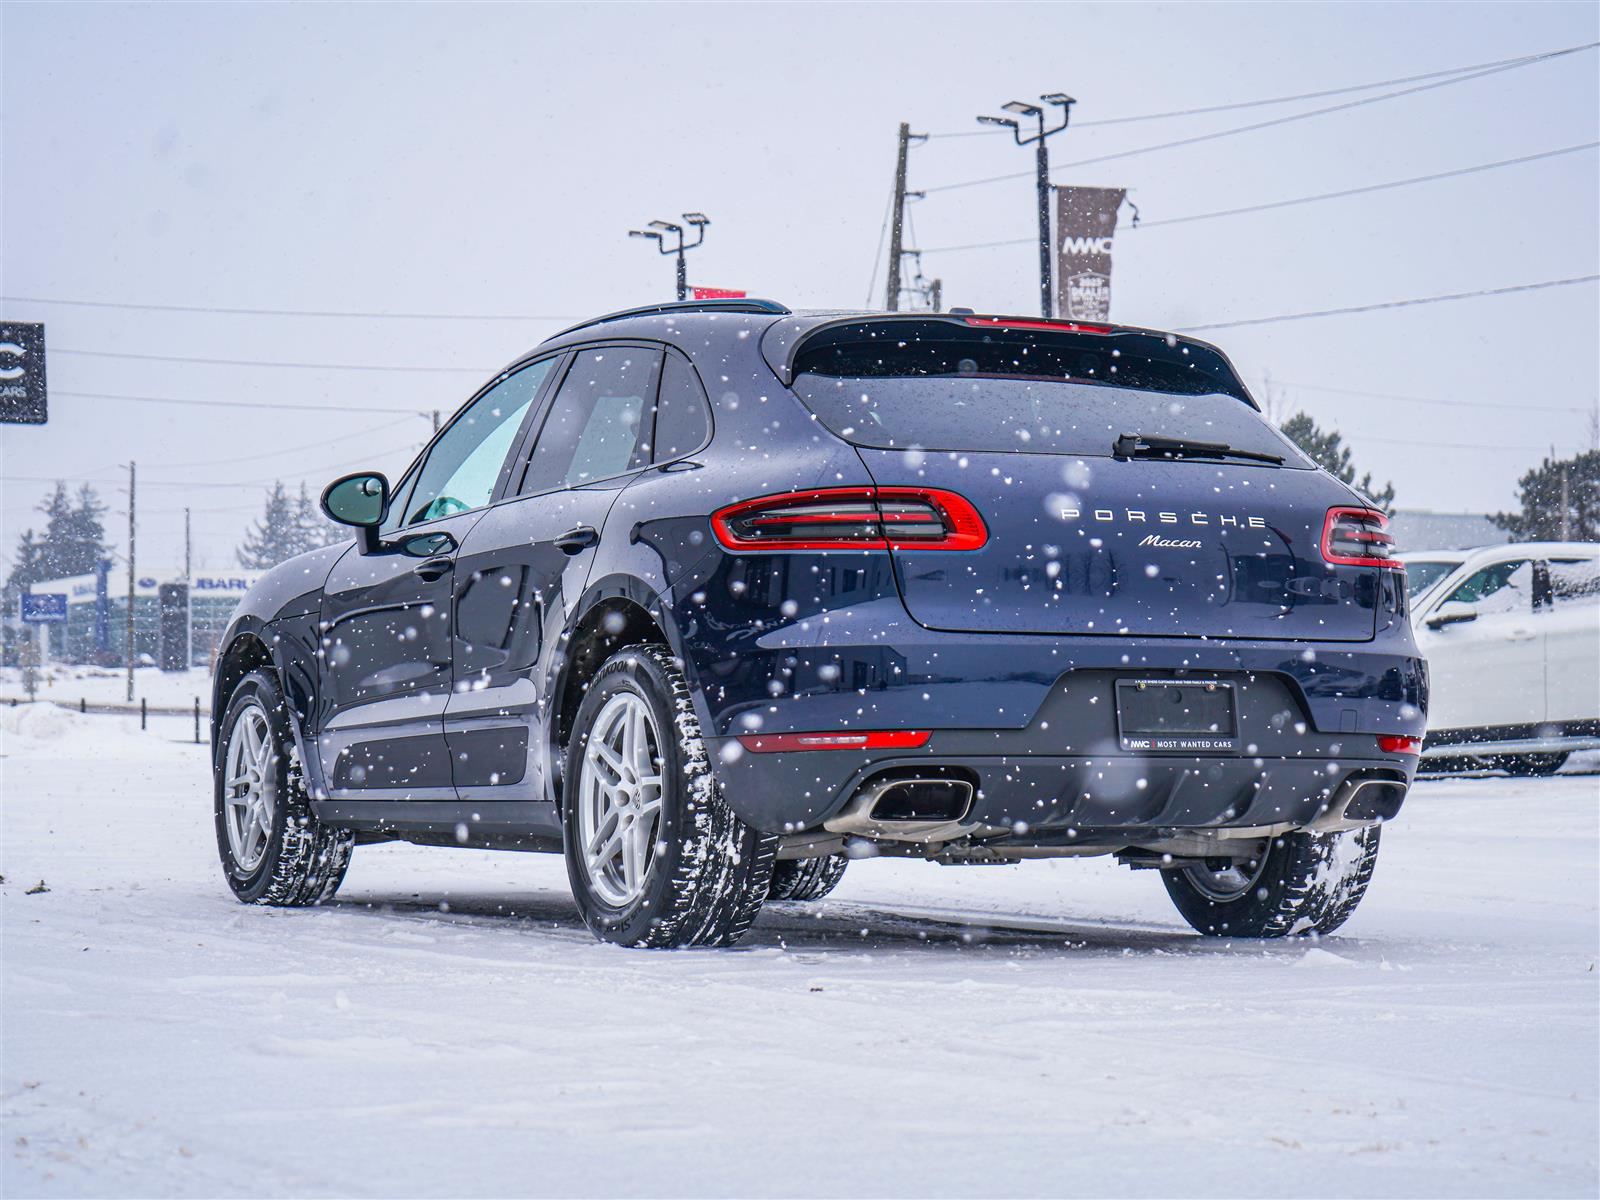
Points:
(595, 427)
(683, 414)
(464, 465)
(1575, 580)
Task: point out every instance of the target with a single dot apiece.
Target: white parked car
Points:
(1512, 638)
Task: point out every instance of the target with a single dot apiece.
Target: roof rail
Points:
(684, 306)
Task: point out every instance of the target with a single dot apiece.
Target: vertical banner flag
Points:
(23, 398)
(1086, 222)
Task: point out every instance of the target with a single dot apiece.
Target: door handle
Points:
(579, 537)
(434, 568)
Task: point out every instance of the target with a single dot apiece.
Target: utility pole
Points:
(436, 420)
(659, 231)
(132, 535)
(1042, 165)
(1566, 511)
(188, 593)
(897, 219)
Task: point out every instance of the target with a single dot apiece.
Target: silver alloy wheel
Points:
(1231, 882)
(250, 792)
(619, 799)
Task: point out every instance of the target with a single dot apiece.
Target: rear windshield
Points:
(934, 385)
(1029, 416)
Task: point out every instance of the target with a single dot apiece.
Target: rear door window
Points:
(596, 424)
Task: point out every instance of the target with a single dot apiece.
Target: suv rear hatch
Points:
(1126, 480)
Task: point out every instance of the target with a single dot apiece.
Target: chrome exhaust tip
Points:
(929, 808)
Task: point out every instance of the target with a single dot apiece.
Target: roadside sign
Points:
(708, 293)
(23, 399)
(44, 608)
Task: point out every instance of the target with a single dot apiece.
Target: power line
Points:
(305, 408)
(1262, 103)
(1445, 445)
(1272, 204)
(1375, 187)
(320, 442)
(247, 362)
(1501, 405)
(1366, 308)
(411, 447)
(286, 312)
(1276, 121)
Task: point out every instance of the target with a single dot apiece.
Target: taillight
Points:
(1391, 743)
(877, 739)
(858, 518)
(1358, 537)
(1051, 326)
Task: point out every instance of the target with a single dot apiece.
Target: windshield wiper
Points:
(1134, 445)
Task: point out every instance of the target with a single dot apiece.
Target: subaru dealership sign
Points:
(44, 608)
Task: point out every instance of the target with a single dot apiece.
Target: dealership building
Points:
(177, 622)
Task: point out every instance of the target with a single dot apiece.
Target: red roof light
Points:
(1050, 326)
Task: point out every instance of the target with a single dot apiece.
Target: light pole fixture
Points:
(670, 238)
(1038, 113)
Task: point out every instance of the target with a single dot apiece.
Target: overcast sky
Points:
(490, 160)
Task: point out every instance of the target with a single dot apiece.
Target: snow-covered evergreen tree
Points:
(276, 535)
(1327, 448)
(288, 525)
(74, 539)
(315, 529)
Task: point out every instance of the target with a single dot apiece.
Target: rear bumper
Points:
(1072, 800)
(1064, 770)
(1034, 717)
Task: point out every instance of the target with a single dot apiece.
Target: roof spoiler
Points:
(782, 343)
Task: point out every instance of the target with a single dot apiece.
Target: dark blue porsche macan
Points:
(715, 598)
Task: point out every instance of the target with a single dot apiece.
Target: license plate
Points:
(1177, 716)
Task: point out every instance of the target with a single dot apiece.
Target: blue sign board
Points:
(44, 608)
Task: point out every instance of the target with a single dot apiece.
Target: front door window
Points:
(464, 465)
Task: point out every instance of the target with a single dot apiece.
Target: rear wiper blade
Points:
(1133, 445)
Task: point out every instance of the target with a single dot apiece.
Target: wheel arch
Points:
(249, 646)
(615, 612)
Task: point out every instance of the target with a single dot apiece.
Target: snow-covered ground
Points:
(449, 1028)
(67, 685)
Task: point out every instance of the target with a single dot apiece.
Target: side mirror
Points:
(361, 500)
(1451, 612)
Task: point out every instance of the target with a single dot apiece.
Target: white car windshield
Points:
(1422, 574)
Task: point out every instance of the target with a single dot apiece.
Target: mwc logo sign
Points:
(1086, 245)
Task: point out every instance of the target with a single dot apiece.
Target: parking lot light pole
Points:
(662, 231)
(1024, 110)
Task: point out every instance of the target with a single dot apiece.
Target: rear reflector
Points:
(880, 739)
(1051, 326)
(858, 518)
(1358, 537)
(1391, 743)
